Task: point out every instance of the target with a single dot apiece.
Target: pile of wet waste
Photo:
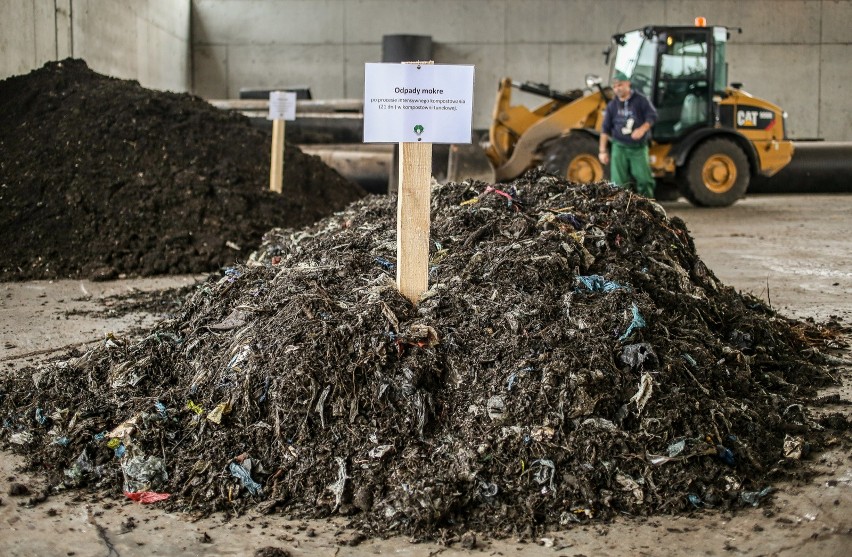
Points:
(572, 360)
(102, 178)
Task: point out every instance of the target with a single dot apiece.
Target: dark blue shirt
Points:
(622, 117)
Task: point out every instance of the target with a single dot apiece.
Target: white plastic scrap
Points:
(674, 450)
(646, 387)
(320, 407)
(629, 484)
(125, 428)
(235, 319)
(544, 471)
(488, 490)
(339, 486)
(496, 407)
(242, 354)
(380, 451)
(677, 447)
(600, 423)
(82, 466)
(793, 447)
(21, 438)
(143, 474)
(656, 459)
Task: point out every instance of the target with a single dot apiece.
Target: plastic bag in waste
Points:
(794, 447)
(147, 496)
(488, 490)
(245, 478)
(235, 319)
(217, 413)
(596, 283)
(496, 408)
(76, 474)
(640, 355)
(380, 451)
(143, 474)
(638, 322)
(629, 484)
(753, 498)
(21, 438)
(643, 395)
(125, 428)
(543, 471)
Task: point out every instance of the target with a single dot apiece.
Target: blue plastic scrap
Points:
(753, 498)
(726, 454)
(689, 359)
(385, 263)
(513, 377)
(243, 475)
(569, 218)
(596, 283)
(695, 500)
(637, 323)
(265, 390)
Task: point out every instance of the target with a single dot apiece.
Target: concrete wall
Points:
(146, 40)
(793, 52)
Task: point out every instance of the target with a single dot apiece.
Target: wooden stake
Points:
(276, 169)
(413, 220)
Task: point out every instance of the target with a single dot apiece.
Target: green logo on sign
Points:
(418, 129)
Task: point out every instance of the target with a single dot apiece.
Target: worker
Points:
(628, 120)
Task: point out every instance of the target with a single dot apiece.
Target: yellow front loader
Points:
(709, 140)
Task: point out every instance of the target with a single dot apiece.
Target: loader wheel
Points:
(575, 158)
(715, 175)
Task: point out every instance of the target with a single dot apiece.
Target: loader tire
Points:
(715, 175)
(575, 158)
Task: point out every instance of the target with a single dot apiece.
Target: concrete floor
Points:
(792, 251)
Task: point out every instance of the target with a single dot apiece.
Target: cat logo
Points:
(747, 118)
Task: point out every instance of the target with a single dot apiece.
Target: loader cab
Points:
(680, 69)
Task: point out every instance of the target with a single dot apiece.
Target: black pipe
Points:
(817, 167)
(406, 48)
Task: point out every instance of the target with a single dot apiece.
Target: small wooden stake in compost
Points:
(282, 106)
(276, 169)
(412, 217)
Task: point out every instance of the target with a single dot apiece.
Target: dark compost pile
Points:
(573, 359)
(101, 177)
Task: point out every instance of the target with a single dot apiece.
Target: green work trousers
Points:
(628, 162)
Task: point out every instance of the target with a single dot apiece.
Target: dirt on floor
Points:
(732, 530)
(101, 178)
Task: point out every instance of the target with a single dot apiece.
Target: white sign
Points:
(282, 105)
(407, 103)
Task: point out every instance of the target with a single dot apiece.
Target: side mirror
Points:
(592, 80)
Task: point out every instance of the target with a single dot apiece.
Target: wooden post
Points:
(413, 219)
(276, 169)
